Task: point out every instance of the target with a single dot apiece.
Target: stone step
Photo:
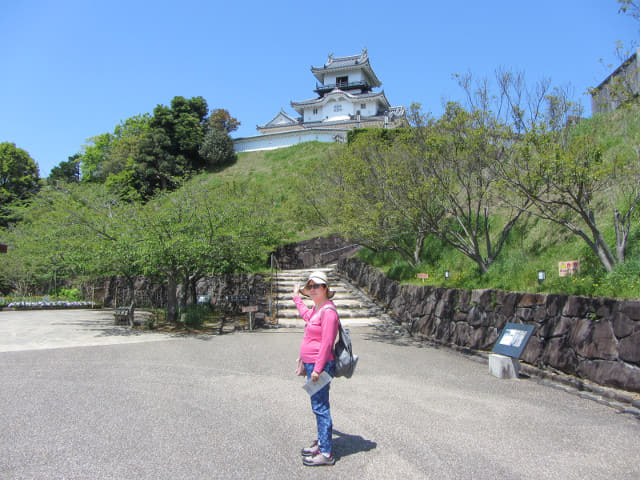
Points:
(354, 307)
(346, 322)
(343, 313)
(340, 303)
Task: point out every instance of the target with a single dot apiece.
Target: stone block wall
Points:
(597, 339)
(314, 252)
(115, 291)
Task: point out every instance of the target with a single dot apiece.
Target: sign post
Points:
(250, 310)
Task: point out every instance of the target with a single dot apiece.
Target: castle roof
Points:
(347, 64)
(380, 97)
(280, 120)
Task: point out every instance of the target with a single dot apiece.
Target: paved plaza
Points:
(81, 398)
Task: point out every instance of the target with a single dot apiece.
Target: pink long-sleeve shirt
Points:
(321, 328)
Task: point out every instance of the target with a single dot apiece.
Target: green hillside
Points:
(281, 177)
(239, 212)
(533, 245)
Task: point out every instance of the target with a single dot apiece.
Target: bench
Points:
(122, 314)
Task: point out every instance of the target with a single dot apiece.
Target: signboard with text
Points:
(568, 268)
(513, 339)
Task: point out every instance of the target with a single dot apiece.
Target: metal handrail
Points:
(274, 280)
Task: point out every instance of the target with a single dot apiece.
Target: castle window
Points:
(363, 106)
(337, 108)
(315, 111)
(342, 81)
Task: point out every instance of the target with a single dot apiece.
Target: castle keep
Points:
(345, 100)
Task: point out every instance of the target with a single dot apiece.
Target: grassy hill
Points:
(277, 174)
(532, 246)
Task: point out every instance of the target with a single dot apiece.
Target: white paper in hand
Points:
(312, 387)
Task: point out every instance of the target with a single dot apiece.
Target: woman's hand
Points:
(296, 289)
(315, 376)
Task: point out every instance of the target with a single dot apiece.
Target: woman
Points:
(316, 352)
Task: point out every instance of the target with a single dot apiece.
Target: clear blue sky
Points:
(72, 69)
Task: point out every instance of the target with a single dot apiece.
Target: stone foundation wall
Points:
(597, 339)
(115, 291)
(314, 252)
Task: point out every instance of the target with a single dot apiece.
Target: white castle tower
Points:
(345, 101)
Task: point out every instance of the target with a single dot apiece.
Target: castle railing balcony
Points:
(360, 85)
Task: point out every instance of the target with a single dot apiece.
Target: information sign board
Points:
(253, 308)
(568, 268)
(513, 339)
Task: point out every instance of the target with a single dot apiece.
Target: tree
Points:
(630, 7)
(94, 156)
(458, 153)
(202, 228)
(66, 172)
(217, 148)
(184, 126)
(19, 179)
(74, 231)
(221, 120)
(573, 181)
(153, 167)
(376, 199)
(111, 153)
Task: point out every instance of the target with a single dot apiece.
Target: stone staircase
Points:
(354, 306)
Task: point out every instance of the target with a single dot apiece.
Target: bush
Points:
(401, 271)
(69, 293)
(580, 285)
(194, 316)
(624, 281)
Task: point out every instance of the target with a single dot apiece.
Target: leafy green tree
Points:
(217, 148)
(94, 156)
(370, 193)
(458, 153)
(184, 126)
(76, 231)
(66, 172)
(165, 149)
(202, 228)
(19, 179)
(573, 182)
(112, 153)
(153, 167)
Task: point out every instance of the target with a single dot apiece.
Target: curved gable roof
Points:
(280, 120)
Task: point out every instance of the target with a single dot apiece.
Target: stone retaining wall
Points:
(115, 291)
(597, 339)
(314, 252)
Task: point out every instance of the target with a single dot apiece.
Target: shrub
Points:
(194, 316)
(69, 293)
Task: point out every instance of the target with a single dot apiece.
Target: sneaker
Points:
(311, 450)
(319, 460)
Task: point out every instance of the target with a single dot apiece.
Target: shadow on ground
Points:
(345, 444)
